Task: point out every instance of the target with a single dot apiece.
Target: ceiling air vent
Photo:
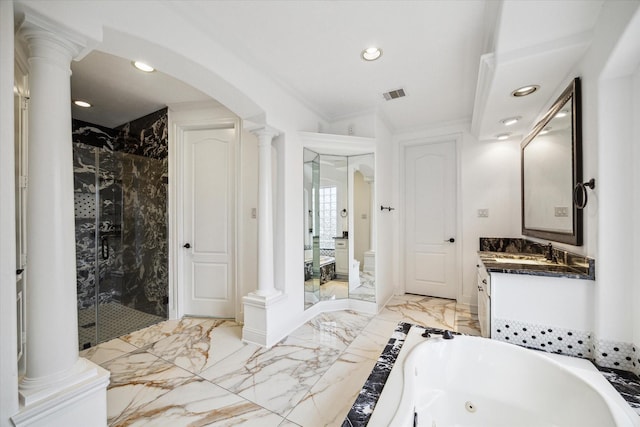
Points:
(393, 94)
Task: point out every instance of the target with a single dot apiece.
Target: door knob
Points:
(451, 240)
(187, 245)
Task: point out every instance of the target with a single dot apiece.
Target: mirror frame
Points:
(575, 236)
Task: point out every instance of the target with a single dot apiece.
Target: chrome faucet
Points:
(550, 256)
(446, 334)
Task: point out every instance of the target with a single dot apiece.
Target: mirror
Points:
(551, 168)
(362, 204)
(339, 227)
(311, 221)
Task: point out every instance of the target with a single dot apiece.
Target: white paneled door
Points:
(430, 219)
(208, 159)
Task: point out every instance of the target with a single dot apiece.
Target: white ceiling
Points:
(433, 49)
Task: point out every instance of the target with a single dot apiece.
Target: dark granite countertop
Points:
(534, 265)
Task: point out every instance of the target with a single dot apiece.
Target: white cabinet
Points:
(539, 300)
(484, 300)
(342, 256)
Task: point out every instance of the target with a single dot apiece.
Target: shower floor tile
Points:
(114, 320)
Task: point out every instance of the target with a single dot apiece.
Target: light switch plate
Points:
(562, 211)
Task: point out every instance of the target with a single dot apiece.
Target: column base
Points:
(81, 400)
(256, 318)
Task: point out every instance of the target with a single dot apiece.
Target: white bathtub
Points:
(471, 381)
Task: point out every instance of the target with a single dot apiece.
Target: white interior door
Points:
(430, 220)
(209, 226)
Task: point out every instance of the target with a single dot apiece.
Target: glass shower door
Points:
(121, 243)
(109, 261)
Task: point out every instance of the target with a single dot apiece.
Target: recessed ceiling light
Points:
(371, 53)
(562, 113)
(81, 103)
(525, 90)
(143, 67)
(545, 130)
(503, 136)
(510, 120)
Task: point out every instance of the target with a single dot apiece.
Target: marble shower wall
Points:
(132, 185)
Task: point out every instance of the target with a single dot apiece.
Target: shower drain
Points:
(470, 407)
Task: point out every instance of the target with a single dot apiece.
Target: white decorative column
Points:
(266, 287)
(59, 388)
(257, 304)
(370, 255)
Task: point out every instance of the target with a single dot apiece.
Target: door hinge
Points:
(23, 181)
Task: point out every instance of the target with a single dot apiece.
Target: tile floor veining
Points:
(198, 372)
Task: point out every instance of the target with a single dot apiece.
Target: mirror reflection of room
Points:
(334, 228)
(339, 227)
(548, 172)
(361, 176)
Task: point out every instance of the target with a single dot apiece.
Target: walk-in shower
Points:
(121, 238)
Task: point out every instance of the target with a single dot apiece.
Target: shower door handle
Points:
(105, 247)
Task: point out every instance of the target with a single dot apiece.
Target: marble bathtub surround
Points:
(198, 371)
(565, 263)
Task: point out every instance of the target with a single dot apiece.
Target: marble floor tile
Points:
(200, 403)
(198, 372)
(107, 351)
(137, 379)
(373, 338)
(466, 322)
(420, 310)
(330, 399)
(275, 378)
(154, 333)
(199, 347)
(334, 289)
(336, 329)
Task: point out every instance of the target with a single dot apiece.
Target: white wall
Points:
(386, 222)
(608, 148)
(8, 361)
(248, 226)
(488, 178)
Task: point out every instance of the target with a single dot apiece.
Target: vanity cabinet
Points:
(538, 300)
(484, 299)
(536, 296)
(342, 256)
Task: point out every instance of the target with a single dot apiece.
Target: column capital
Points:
(265, 133)
(51, 41)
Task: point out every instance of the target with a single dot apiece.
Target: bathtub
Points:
(472, 381)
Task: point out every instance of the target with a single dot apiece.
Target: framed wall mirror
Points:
(551, 166)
